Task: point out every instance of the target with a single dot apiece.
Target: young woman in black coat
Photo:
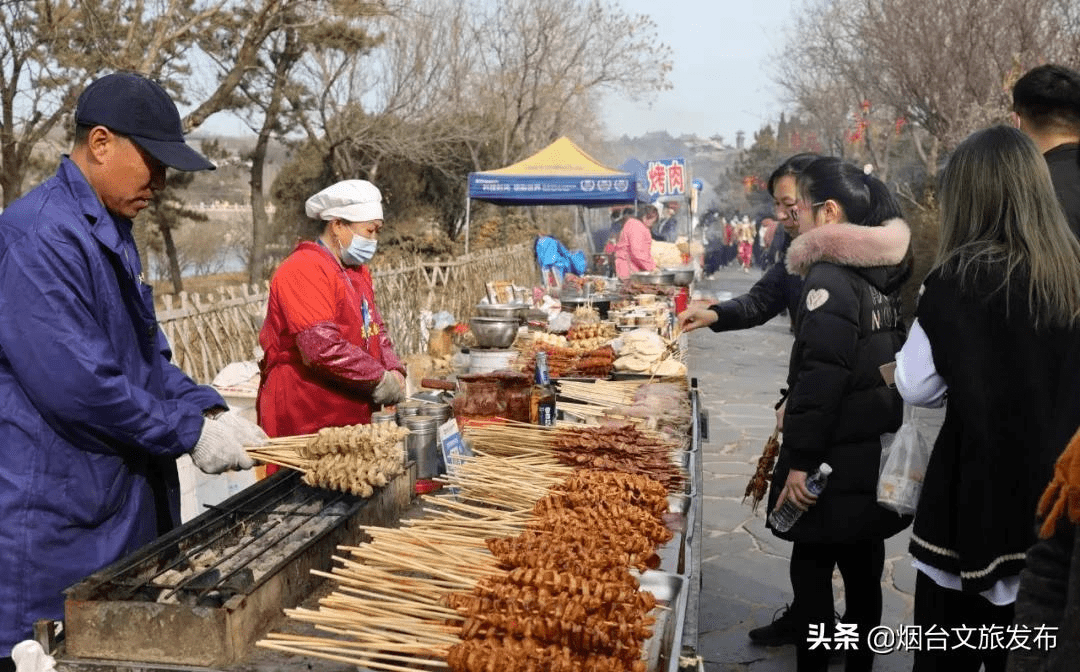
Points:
(998, 331)
(853, 250)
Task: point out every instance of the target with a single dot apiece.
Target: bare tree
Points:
(943, 66)
(50, 49)
(543, 62)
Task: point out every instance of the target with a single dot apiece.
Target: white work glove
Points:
(390, 390)
(247, 431)
(29, 656)
(221, 444)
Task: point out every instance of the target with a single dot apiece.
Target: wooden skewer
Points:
(371, 626)
(361, 583)
(409, 623)
(469, 562)
(356, 596)
(398, 635)
(380, 577)
(399, 647)
(405, 600)
(389, 637)
(434, 571)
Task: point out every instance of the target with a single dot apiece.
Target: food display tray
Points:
(663, 648)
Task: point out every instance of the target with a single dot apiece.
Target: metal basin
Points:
(494, 332)
(601, 303)
(681, 276)
(506, 311)
(654, 278)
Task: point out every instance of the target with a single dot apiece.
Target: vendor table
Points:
(103, 623)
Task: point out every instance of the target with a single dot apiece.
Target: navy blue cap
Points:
(140, 109)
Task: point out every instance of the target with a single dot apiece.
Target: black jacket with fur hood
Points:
(838, 405)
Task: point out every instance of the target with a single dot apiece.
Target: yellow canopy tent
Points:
(559, 174)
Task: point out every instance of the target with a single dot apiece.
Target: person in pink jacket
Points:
(633, 252)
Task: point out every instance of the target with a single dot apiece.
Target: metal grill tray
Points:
(265, 541)
(663, 648)
(680, 521)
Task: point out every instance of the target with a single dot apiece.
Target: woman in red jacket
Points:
(328, 360)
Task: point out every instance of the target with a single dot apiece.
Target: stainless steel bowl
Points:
(681, 276)
(654, 278)
(494, 332)
(506, 311)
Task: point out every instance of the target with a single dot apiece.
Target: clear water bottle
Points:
(784, 517)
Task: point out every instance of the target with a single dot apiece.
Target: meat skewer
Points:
(759, 482)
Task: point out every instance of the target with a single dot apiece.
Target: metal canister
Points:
(422, 444)
(409, 407)
(380, 417)
(441, 411)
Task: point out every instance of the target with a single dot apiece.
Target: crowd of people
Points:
(996, 340)
(96, 413)
(745, 243)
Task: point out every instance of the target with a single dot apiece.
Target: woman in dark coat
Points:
(998, 329)
(853, 250)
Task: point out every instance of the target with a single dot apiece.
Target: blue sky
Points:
(721, 77)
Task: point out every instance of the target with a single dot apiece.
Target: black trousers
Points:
(861, 564)
(948, 609)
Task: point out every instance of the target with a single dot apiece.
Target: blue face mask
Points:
(359, 252)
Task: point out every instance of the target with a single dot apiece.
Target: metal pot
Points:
(654, 278)
(681, 276)
(506, 311)
(494, 332)
(600, 303)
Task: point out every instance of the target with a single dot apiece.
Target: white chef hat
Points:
(348, 200)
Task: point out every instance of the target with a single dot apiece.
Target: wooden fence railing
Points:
(208, 331)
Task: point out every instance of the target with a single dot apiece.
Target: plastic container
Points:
(785, 517)
(422, 444)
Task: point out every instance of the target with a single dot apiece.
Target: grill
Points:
(202, 594)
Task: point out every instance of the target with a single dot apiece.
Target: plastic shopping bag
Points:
(904, 457)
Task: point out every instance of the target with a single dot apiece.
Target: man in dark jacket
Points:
(777, 290)
(1046, 101)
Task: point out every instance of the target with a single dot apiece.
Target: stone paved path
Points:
(744, 567)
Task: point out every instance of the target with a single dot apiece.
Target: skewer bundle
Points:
(550, 592)
(569, 361)
(601, 392)
(355, 458)
(621, 447)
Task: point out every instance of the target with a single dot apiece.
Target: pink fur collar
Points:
(850, 245)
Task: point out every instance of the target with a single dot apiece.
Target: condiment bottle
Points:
(542, 400)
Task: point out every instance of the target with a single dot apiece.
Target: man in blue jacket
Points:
(95, 414)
